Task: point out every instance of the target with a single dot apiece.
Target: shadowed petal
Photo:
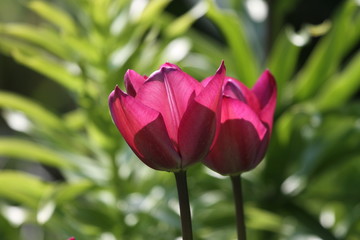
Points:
(144, 130)
(238, 148)
(241, 142)
(237, 90)
(169, 92)
(265, 90)
(198, 125)
(133, 81)
(235, 109)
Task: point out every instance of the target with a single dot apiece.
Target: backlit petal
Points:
(133, 81)
(235, 109)
(238, 148)
(198, 126)
(265, 90)
(144, 130)
(242, 140)
(169, 92)
(237, 90)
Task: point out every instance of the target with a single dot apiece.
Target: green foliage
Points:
(306, 186)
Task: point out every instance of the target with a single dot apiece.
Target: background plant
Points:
(66, 172)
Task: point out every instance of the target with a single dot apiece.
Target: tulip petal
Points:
(237, 90)
(238, 148)
(133, 81)
(265, 90)
(169, 92)
(241, 142)
(144, 130)
(198, 125)
(235, 109)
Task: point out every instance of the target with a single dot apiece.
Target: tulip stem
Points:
(185, 214)
(239, 206)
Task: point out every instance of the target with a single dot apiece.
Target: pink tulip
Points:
(168, 119)
(72, 238)
(246, 125)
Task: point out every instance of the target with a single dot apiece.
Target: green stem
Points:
(239, 206)
(185, 214)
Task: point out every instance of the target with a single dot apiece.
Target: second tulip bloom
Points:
(246, 125)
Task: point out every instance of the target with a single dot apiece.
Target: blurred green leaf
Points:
(22, 188)
(82, 49)
(32, 109)
(18, 148)
(52, 69)
(7, 231)
(263, 220)
(98, 8)
(54, 15)
(181, 24)
(327, 56)
(152, 11)
(342, 85)
(308, 220)
(234, 33)
(282, 61)
(280, 9)
(69, 191)
(8, 46)
(41, 37)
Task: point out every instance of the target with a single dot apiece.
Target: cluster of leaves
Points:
(307, 186)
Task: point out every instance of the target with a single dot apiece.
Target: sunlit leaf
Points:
(342, 85)
(69, 191)
(32, 109)
(327, 56)
(24, 149)
(41, 37)
(22, 188)
(234, 33)
(152, 11)
(8, 46)
(54, 15)
(181, 24)
(52, 69)
(282, 61)
(263, 220)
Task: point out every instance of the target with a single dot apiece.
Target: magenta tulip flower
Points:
(246, 125)
(168, 119)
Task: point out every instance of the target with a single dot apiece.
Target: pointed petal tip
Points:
(268, 74)
(112, 96)
(116, 93)
(167, 65)
(222, 68)
(128, 73)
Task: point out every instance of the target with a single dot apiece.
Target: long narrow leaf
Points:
(234, 33)
(53, 70)
(24, 149)
(343, 85)
(54, 15)
(282, 61)
(32, 109)
(326, 57)
(42, 37)
(22, 188)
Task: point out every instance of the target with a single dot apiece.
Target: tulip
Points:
(246, 125)
(168, 119)
(244, 134)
